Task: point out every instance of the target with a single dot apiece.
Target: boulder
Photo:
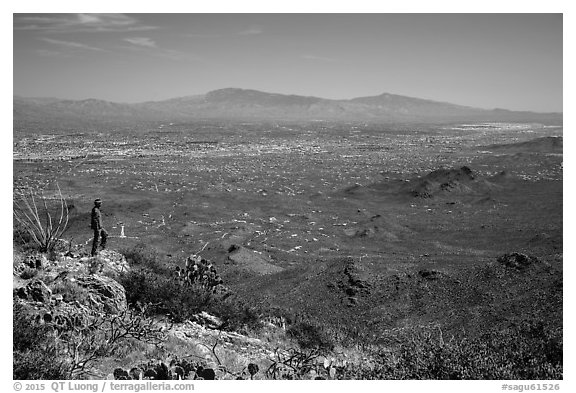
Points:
(357, 277)
(104, 292)
(111, 261)
(205, 319)
(517, 260)
(36, 261)
(355, 283)
(430, 274)
(36, 291)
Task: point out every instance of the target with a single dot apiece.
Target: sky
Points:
(511, 61)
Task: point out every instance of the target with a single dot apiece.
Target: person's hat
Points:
(97, 200)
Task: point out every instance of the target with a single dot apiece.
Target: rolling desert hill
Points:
(548, 144)
(242, 104)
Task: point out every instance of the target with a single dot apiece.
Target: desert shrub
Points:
(70, 291)
(166, 295)
(22, 238)
(28, 273)
(144, 256)
(150, 282)
(162, 294)
(46, 350)
(35, 351)
(310, 335)
(292, 363)
(41, 363)
(526, 351)
(26, 335)
(236, 313)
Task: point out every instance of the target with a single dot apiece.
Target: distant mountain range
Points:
(242, 104)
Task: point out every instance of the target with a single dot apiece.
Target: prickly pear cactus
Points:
(173, 368)
(121, 374)
(253, 370)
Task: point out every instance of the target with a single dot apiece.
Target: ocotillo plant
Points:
(43, 228)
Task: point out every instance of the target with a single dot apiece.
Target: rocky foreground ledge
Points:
(69, 292)
(76, 316)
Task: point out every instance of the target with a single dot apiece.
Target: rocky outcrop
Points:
(442, 180)
(430, 274)
(356, 276)
(37, 261)
(517, 260)
(106, 262)
(28, 262)
(104, 292)
(67, 277)
(36, 291)
(354, 284)
(112, 261)
(207, 320)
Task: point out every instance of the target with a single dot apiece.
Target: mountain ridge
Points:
(237, 103)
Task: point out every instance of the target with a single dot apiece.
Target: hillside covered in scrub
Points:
(129, 315)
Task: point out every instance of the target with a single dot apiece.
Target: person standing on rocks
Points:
(96, 225)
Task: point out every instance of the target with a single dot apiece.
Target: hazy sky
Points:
(511, 61)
